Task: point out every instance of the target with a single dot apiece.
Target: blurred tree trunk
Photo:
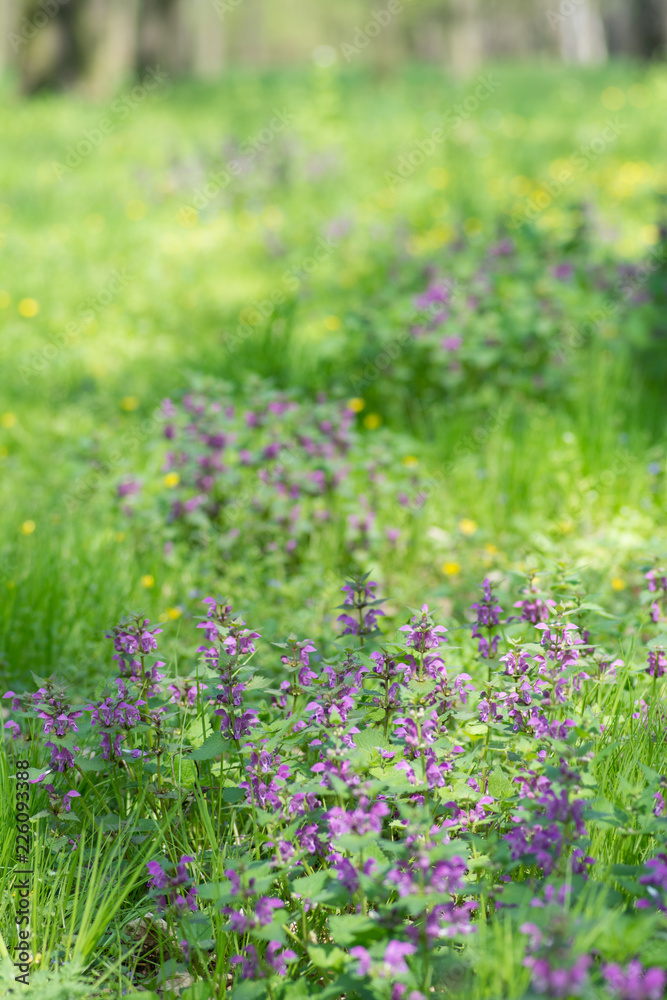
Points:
(206, 30)
(97, 43)
(50, 50)
(163, 38)
(466, 37)
(110, 29)
(8, 24)
(650, 22)
(581, 32)
(250, 37)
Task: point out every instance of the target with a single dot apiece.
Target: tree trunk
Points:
(650, 22)
(466, 38)
(581, 32)
(9, 35)
(110, 29)
(208, 53)
(51, 53)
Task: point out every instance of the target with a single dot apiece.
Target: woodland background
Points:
(96, 44)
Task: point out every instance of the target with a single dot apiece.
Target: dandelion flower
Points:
(451, 568)
(28, 308)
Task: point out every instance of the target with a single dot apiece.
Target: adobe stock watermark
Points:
(391, 351)
(218, 180)
(364, 35)
(121, 108)
(30, 27)
(566, 9)
(576, 164)
(40, 360)
(224, 7)
(244, 498)
(86, 486)
(624, 287)
(452, 119)
(601, 485)
(6, 570)
(469, 445)
(252, 316)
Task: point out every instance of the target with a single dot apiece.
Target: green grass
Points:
(574, 474)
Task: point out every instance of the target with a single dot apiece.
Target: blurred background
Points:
(94, 44)
(448, 218)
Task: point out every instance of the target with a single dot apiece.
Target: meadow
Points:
(332, 497)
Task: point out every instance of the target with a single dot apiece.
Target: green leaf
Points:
(212, 746)
(219, 892)
(270, 932)
(296, 991)
(370, 739)
(58, 844)
(248, 990)
(36, 772)
(257, 681)
(327, 956)
(198, 991)
(589, 606)
(625, 869)
(353, 928)
(110, 821)
(92, 764)
(233, 794)
(346, 985)
(309, 885)
(500, 785)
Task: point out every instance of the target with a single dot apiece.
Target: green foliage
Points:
(533, 452)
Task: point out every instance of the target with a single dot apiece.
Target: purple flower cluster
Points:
(655, 880)
(51, 706)
(657, 586)
(281, 453)
(252, 912)
(488, 617)
(657, 662)
(232, 645)
(60, 803)
(115, 717)
(559, 981)
(534, 608)
(360, 596)
(366, 816)
(555, 971)
(635, 982)
(340, 683)
(547, 821)
(276, 959)
(173, 885)
(422, 636)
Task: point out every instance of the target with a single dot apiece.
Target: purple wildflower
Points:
(636, 982)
